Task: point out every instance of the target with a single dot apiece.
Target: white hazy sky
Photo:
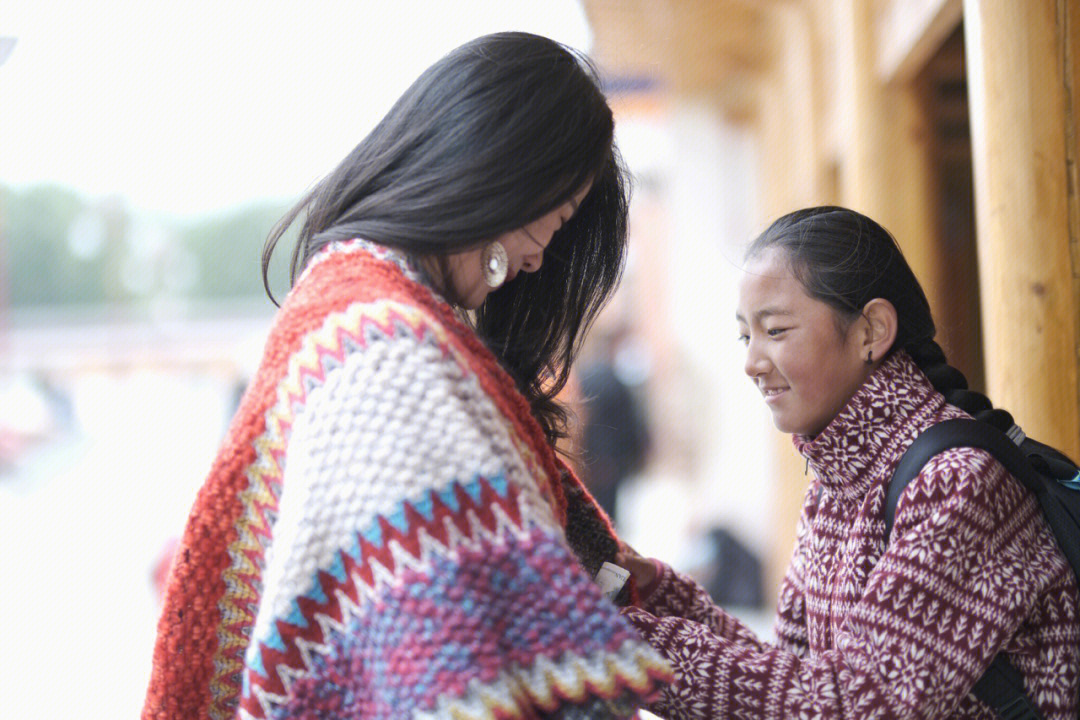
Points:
(191, 107)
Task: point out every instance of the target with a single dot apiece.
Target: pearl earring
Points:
(495, 264)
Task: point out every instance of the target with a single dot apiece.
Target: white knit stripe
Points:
(519, 690)
(392, 422)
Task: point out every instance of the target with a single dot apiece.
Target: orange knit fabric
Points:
(188, 630)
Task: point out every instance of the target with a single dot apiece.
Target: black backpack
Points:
(1055, 481)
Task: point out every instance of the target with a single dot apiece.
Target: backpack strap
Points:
(959, 432)
(1001, 686)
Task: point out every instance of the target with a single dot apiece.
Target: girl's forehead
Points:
(768, 287)
(768, 273)
(772, 262)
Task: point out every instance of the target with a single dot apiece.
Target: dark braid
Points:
(951, 383)
(845, 259)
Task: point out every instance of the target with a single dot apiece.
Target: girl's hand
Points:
(642, 569)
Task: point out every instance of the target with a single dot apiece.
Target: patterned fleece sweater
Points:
(866, 631)
(384, 533)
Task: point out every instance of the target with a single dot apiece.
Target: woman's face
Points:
(524, 250)
(804, 365)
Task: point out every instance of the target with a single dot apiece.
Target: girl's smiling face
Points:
(806, 361)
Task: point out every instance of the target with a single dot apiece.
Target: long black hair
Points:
(496, 134)
(845, 259)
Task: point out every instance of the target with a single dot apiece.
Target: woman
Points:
(384, 532)
(840, 343)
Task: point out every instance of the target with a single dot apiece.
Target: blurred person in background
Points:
(615, 433)
(387, 531)
(872, 623)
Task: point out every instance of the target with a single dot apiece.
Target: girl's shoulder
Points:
(957, 467)
(965, 479)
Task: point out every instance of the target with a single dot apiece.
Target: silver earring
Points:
(495, 264)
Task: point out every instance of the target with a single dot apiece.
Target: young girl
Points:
(840, 343)
(386, 532)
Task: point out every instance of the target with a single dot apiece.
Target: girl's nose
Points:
(755, 364)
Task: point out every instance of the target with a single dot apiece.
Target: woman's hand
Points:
(642, 569)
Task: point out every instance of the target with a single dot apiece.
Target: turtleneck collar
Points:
(866, 438)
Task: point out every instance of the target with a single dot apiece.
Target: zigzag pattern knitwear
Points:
(383, 533)
(866, 631)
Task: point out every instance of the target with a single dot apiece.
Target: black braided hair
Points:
(951, 383)
(845, 259)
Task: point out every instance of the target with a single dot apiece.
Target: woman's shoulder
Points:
(358, 272)
(353, 296)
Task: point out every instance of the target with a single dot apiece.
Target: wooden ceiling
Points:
(711, 48)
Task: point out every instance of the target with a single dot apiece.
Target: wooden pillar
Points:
(1069, 20)
(1022, 118)
(788, 118)
(909, 206)
(862, 175)
(886, 172)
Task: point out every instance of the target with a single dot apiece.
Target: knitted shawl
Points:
(384, 534)
(869, 631)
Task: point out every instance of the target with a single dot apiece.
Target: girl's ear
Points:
(881, 329)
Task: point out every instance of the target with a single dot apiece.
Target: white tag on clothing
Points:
(611, 578)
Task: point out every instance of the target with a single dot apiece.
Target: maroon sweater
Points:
(866, 631)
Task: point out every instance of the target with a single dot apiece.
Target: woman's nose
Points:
(532, 261)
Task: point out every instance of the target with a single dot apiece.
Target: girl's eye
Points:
(775, 332)
(744, 338)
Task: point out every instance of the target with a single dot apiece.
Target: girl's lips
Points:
(773, 394)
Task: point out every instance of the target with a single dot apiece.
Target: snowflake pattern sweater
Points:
(384, 532)
(866, 631)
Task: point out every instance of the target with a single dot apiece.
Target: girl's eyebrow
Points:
(764, 313)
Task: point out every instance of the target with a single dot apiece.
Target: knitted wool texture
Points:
(866, 631)
(382, 534)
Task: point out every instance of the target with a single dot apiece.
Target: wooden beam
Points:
(710, 48)
(909, 32)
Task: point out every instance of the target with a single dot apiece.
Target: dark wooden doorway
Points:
(943, 88)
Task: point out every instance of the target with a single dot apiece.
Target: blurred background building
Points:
(145, 153)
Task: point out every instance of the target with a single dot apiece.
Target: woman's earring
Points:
(496, 264)
(869, 357)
